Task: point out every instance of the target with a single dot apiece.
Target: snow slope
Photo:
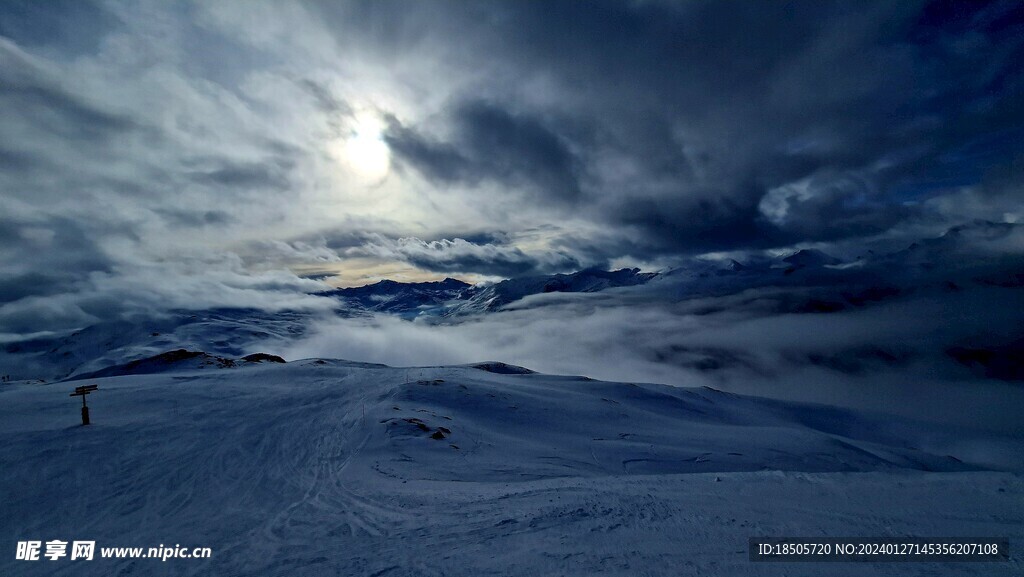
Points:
(326, 467)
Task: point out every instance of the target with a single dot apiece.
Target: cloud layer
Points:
(162, 147)
(887, 358)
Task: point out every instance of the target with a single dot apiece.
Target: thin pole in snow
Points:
(82, 392)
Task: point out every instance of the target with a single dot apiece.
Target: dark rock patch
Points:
(262, 357)
(502, 368)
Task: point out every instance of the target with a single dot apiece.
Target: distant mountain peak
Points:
(810, 257)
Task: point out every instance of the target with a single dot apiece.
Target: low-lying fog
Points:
(890, 357)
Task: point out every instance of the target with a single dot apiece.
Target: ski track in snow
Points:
(321, 468)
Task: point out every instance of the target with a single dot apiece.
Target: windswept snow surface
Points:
(326, 467)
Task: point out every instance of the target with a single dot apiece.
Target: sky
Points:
(186, 155)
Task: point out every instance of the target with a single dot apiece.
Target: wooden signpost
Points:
(82, 392)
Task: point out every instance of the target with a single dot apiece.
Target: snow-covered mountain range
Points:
(943, 262)
(946, 269)
(453, 297)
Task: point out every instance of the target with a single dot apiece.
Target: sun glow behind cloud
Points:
(363, 152)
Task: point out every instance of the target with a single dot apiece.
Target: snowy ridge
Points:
(403, 298)
(453, 297)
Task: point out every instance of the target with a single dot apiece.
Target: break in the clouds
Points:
(150, 147)
(463, 256)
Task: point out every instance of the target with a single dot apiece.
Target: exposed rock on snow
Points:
(262, 357)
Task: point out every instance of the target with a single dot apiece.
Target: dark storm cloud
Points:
(59, 245)
(49, 106)
(437, 160)
(245, 175)
(40, 259)
(674, 121)
(29, 284)
(339, 240)
(190, 219)
(703, 223)
(492, 143)
(17, 161)
(325, 99)
(72, 25)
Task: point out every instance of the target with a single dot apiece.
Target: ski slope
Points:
(327, 467)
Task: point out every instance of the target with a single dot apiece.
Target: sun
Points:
(363, 152)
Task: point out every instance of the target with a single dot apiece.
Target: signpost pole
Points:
(82, 392)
